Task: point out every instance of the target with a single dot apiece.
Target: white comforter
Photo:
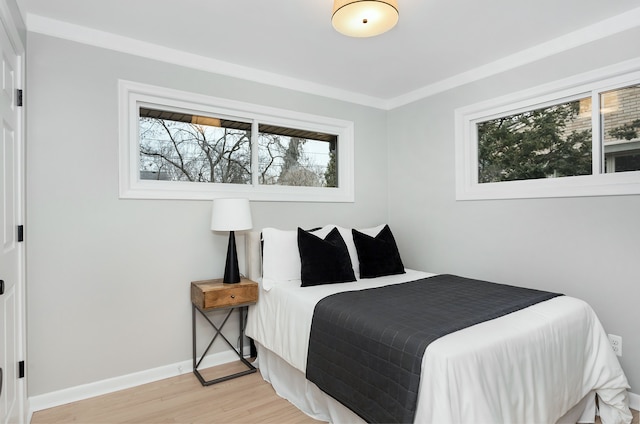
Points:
(530, 366)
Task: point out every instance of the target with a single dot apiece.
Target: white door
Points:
(11, 250)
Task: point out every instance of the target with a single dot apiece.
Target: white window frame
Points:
(598, 184)
(132, 95)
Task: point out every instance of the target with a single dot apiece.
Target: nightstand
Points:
(209, 295)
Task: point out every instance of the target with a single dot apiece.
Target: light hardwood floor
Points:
(182, 399)
(247, 399)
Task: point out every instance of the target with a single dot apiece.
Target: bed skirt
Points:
(291, 384)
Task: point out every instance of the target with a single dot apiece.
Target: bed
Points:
(546, 363)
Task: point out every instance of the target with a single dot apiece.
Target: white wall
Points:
(584, 247)
(108, 279)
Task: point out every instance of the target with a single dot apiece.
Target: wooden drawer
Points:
(211, 294)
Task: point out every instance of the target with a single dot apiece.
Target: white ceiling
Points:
(434, 41)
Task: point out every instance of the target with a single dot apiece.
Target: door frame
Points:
(10, 18)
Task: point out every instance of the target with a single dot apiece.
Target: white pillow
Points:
(347, 235)
(322, 232)
(373, 231)
(280, 257)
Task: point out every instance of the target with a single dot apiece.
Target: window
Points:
(178, 145)
(621, 129)
(578, 141)
(296, 158)
(550, 142)
(183, 147)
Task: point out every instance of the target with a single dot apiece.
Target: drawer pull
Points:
(233, 296)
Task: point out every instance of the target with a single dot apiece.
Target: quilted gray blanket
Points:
(366, 346)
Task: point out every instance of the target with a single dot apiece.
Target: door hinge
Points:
(21, 369)
(19, 97)
(20, 232)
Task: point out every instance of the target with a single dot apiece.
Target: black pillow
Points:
(378, 255)
(324, 261)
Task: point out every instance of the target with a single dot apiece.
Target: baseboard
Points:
(634, 401)
(86, 391)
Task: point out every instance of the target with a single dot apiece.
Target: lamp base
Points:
(231, 271)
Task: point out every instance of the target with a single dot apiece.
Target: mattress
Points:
(533, 365)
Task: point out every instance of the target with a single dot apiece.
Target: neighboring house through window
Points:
(566, 139)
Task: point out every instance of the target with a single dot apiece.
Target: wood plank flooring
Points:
(182, 399)
(247, 399)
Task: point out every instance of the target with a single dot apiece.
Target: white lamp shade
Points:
(364, 18)
(231, 215)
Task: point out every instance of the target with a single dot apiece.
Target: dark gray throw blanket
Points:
(366, 346)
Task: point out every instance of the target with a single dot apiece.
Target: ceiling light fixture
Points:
(364, 18)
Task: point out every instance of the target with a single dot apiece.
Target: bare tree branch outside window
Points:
(175, 150)
(182, 147)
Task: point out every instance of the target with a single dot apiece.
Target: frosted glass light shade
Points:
(364, 18)
(231, 215)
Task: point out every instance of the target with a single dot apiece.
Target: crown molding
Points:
(85, 35)
(90, 36)
(591, 33)
(13, 25)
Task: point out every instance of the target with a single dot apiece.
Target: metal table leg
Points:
(218, 332)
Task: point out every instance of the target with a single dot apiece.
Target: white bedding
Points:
(530, 366)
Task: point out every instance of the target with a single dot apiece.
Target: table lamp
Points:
(231, 215)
